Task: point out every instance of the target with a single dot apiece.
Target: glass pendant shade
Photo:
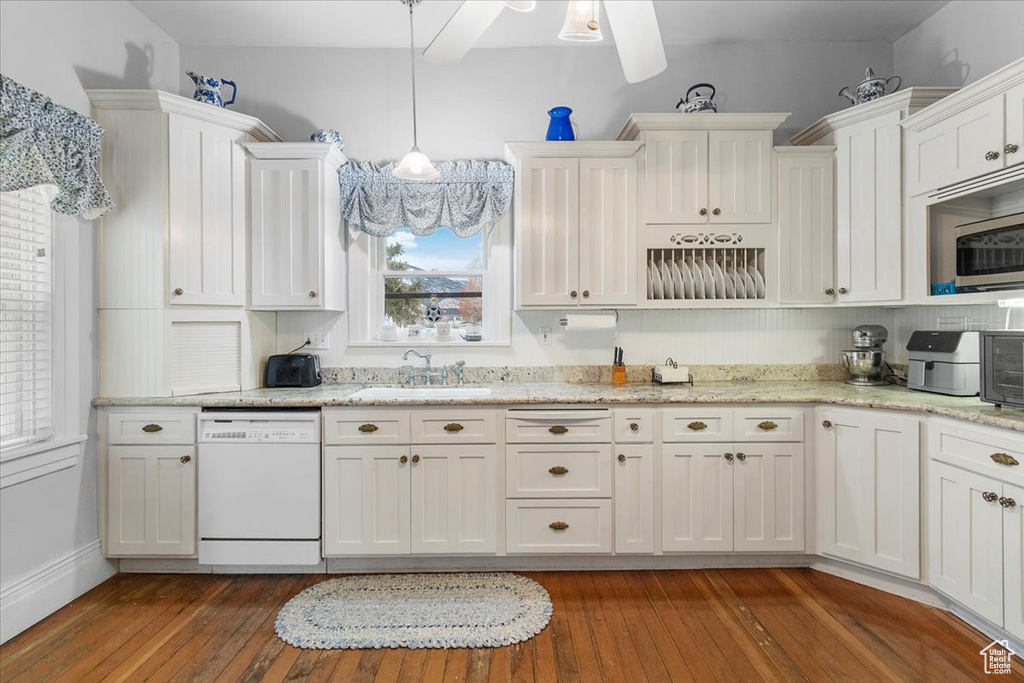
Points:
(582, 22)
(520, 5)
(416, 166)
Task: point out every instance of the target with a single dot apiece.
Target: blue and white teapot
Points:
(208, 89)
(700, 103)
(870, 88)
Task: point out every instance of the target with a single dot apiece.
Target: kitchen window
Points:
(467, 279)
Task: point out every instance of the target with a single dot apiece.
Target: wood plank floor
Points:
(726, 625)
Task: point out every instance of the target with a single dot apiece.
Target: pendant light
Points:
(582, 22)
(415, 165)
(520, 5)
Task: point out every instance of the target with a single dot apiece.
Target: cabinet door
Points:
(868, 211)
(151, 500)
(607, 247)
(206, 214)
(807, 229)
(547, 232)
(634, 499)
(965, 544)
(769, 511)
(1013, 149)
(696, 497)
(1013, 561)
(366, 500)
(454, 499)
(676, 177)
(287, 258)
(740, 176)
(955, 149)
(868, 489)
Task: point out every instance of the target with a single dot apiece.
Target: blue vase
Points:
(560, 127)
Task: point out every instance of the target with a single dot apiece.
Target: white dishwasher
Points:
(259, 487)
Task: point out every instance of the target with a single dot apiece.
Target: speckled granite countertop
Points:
(834, 393)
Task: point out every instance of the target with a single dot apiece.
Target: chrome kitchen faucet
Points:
(426, 375)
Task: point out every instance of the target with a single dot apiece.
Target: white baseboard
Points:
(993, 632)
(38, 595)
(906, 588)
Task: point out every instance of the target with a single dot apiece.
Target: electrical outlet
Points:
(545, 336)
(317, 340)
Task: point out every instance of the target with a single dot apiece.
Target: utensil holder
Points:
(618, 374)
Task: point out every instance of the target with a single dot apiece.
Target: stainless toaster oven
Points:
(990, 254)
(1002, 367)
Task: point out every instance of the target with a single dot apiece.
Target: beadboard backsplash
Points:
(691, 337)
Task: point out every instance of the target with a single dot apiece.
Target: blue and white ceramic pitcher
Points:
(208, 89)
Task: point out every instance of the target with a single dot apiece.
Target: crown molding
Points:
(908, 101)
(573, 149)
(319, 151)
(158, 100)
(995, 83)
(807, 150)
(638, 123)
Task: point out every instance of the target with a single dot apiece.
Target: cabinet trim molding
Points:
(571, 150)
(638, 123)
(969, 96)
(914, 98)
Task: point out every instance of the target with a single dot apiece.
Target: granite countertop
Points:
(554, 393)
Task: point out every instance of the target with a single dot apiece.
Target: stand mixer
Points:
(866, 361)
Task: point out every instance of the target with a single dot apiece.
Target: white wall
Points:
(962, 42)
(60, 49)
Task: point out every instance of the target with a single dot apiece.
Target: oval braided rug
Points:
(415, 611)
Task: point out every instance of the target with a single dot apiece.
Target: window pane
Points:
(440, 251)
(406, 298)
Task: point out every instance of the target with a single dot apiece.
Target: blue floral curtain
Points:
(468, 196)
(42, 143)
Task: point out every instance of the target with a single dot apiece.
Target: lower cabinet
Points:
(393, 500)
(151, 500)
(869, 495)
(558, 526)
(724, 497)
(634, 499)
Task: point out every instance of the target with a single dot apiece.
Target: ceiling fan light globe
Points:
(415, 166)
(520, 5)
(579, 17)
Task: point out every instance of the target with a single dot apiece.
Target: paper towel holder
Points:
(563, 321)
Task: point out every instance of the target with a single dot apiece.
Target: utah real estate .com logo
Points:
(997, 657)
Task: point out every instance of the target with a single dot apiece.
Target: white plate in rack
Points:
(666, 279)
(687, 275)
(729, 276)
(719, 275)
(659, 290)
(748, 284)
(650, 280)
(698, 278)
(709, 279)
(759, 285)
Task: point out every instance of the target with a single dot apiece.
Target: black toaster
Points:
(293, 370)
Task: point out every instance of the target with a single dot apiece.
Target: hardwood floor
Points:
(727, 625)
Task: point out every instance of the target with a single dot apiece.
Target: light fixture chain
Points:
(412, 62)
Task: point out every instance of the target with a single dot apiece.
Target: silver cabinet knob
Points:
(178, 291)
(716, 212)
(989, 496)
(622, 457)
(844, 290)
(1010, 148)
(991, 156)
(830, 292)
(312, 294)
(728, 456)
(573, 294)
(586, 293)
(827, 424)
(703, 212)
(185, 459)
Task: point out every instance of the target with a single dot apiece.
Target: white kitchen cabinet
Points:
(575, 224)
(868, 466)
(768, 497)
(966, 539)
(697, 497)
(297, 233)
(454, 506)
(206, 213)
(634, 498)
(806, 179)
(1013, 561)
(367, 500)
(676, 182)
(151, 500)
(976, 131)
(740, 176)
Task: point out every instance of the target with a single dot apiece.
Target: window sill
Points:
(454, 344)
(39, 459)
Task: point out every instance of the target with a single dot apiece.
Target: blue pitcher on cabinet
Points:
(208, 89)
(560, 127)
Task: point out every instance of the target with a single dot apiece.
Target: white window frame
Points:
(63, 448)
(367, 266)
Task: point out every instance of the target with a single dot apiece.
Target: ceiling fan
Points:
(634, 22)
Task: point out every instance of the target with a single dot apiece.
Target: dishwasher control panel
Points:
(259, 428)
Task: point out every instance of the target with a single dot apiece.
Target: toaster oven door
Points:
(1003, 368)
(991, 253)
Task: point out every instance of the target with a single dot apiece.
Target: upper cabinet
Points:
(176, 168)
(972, 133)
(298, 241)
(575, 223)
(705, 168)
(806, 177)
(868, 206)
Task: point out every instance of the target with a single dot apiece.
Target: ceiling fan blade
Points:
(462, 31)
(637, 37)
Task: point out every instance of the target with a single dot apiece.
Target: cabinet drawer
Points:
(559, 471)
(157, 429)
(558, 526)
(343, 427)
(634, 425)
(558, 426)
(768, 424)
(454, 427)
(696, 424)
(989, 452)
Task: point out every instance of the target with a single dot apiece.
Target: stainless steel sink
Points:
(422, 392)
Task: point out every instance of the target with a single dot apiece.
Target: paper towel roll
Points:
(601, 321)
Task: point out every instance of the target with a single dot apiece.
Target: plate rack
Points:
(706, 272)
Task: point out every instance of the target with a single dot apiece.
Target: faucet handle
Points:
(460, 364)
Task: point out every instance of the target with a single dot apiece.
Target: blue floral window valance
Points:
(468, 196)
(42, 143)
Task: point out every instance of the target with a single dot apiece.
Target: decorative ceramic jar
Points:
(208, 89)
(700, 103)
(870, 88)
(329, 135)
